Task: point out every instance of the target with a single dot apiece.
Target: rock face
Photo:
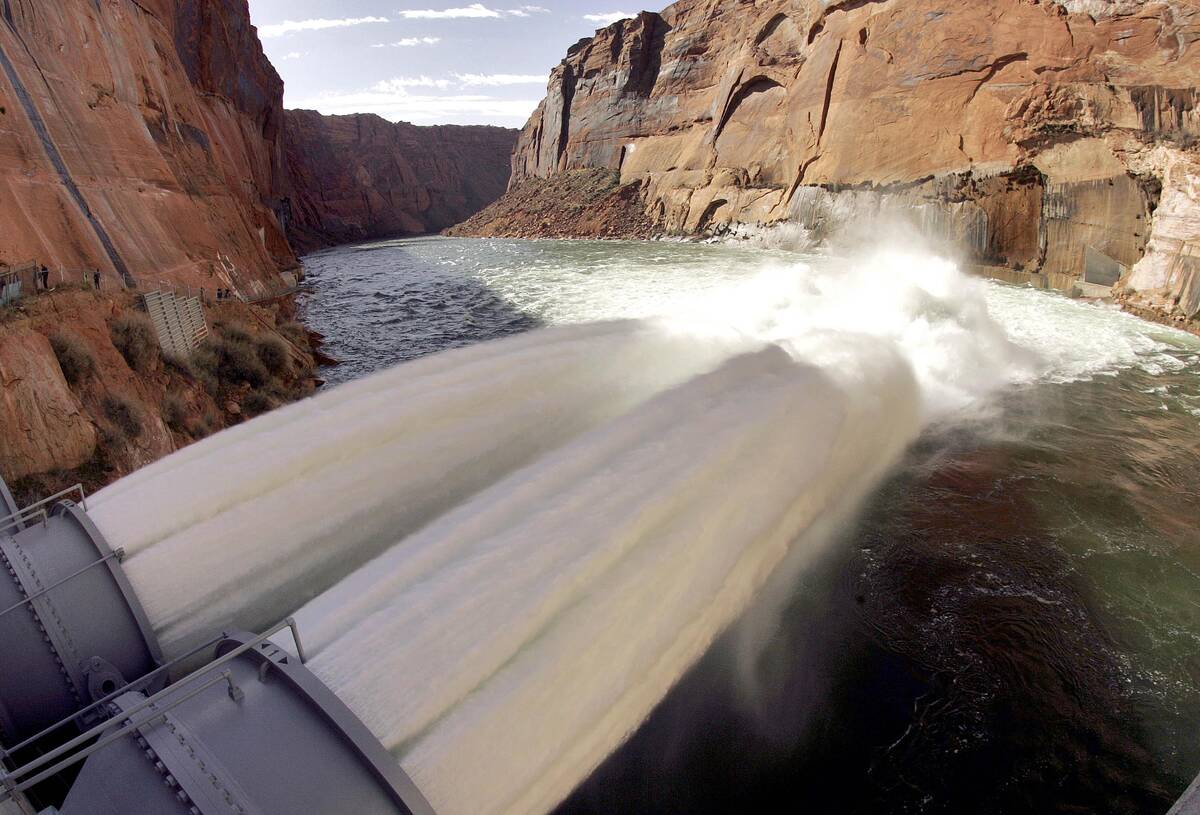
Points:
(351, 178)
(77, 404)
(45, 425)
(142, 138)
(573, 204)
(1015, 129)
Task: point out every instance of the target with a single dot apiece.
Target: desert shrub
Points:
(240, 363)
(180, 365)
(231, 362)
(74, 358)
(124, 416)
(1183, 139)
(134, 337)
(208, 424)
(175, 413)
(257, 402)
(273, 354)
(295, 333)
(210, 383)
(234, 333)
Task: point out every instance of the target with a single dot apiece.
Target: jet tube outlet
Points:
(252, 732)
(71, 629)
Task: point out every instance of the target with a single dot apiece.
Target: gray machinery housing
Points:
(88, 711)
(254, 732)
(71, 629)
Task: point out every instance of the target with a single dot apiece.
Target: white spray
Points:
(554, 544)
(245, 527)
(504, 650)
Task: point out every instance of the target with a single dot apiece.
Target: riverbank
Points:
(87, 395)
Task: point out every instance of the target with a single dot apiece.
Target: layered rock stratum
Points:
(148, 139)
(351, 178)
(1050, 141)
(141, 139)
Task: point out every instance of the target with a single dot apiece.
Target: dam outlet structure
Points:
(93, 721)
(490, 564)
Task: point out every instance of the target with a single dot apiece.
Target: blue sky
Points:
(424, 61)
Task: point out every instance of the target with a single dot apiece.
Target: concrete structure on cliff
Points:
(1033, 135)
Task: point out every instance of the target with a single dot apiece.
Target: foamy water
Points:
(248, 525)
(540, 535)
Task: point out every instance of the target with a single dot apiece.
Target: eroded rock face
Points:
(143, 139)
(1005, 127)
(45, 426)
(351, 178)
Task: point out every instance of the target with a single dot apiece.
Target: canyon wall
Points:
(1049, 141)
(351, 178)
(147, 139)
(141, 138)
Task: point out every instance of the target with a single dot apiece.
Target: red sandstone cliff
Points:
(140, 137)
(147, 139)
(1047, 137)
(351, 178)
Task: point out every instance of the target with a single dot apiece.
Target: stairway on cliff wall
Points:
(178, 321)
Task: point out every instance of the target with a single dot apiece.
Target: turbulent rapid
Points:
(503, 556)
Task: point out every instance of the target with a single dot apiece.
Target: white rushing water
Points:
(522, 545)
(248, 525)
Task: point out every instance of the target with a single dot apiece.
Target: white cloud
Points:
(408, 42)
(473, 10)
(497, 80)
(477, 10)
(401, 84)
(293, 55)
(392, 100)
(292, 26)
(607, 17)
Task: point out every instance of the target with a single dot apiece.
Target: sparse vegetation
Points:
(125, 417)
(273, 354)
(1184, 139)
(230, 357)
(133, 335)
(178, 364)
(210, 423)
(74, 358)
(175, 413)
(295, 333)
(257, 402)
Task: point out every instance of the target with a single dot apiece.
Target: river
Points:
(1011, 622)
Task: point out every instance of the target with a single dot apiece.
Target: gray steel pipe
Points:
(71, 628)
(256, 733)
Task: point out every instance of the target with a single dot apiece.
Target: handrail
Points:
(10, 780)
(11, 788)
(119, 554)
(20, 515)
(142, 681)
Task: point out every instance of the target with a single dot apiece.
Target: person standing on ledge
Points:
(96, 279)
(44, 274)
